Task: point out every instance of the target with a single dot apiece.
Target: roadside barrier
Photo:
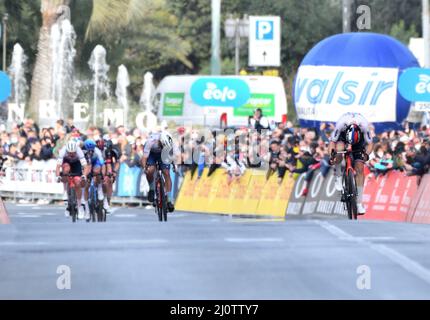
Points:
(419, 210)
(37, 180)
(249, 195)
(4, 218)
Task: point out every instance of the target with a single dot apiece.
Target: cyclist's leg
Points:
(150, 170)
(109, 182)
(97, 170)
(85, 192)
(65, 171)
(340, 146)
(359, 180)
(168, 180)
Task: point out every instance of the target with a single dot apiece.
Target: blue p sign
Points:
(5, 87)
(264, 30)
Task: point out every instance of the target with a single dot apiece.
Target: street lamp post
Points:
(5, 18)
(236, 28)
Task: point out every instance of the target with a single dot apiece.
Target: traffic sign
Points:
(5, 87)
(264, 41)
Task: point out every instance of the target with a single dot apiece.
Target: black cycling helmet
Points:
(108, 144)
(353, 134)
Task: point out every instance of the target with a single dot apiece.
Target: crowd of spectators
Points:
(275, 148)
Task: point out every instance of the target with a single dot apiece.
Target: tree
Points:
(110, 20)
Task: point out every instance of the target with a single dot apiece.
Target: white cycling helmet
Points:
(166, 139)
(71, 146)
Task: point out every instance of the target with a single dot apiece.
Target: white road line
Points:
(12, 244)
(125, 215)
(254, 239)
(138, 241)
(25, 215)
(406, 263)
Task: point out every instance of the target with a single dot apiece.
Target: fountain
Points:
(17, 73)
(147, 92)
(122, 82)
(63, 90)
(100, 80)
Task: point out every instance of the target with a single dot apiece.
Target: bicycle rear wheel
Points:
(158, 200)
(72, 204)
(163, 200)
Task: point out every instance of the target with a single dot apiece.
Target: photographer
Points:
(258, 121)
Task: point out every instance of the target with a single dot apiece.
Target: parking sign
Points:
(264, 41)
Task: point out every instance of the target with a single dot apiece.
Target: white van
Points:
(220, 101)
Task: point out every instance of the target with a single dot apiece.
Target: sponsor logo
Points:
(220, 92)
(414, 85)
(173, 104)
(324, 93)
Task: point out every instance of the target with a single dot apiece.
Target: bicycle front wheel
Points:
(352, 195)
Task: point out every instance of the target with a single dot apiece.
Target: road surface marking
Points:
(254, 239)
(406, 263)
(25, 215)
(125, 215)
(257, 220)
(138, 241)
(35, 243)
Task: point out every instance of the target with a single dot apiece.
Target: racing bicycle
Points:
(349, 190)
(97, 212)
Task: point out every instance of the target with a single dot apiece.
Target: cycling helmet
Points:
(90, 145)
(71, 146)
(166, 139)
(108, 144)
(100, 144)
(353, 134)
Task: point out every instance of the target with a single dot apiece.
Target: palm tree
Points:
(148, 21)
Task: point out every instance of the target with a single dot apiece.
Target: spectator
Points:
(258, 121)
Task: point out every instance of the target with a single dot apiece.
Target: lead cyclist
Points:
(351, 129)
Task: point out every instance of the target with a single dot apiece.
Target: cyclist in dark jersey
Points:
(159, 148)
(98, 170)
(71, 160)
(111, 157)
(351, 129)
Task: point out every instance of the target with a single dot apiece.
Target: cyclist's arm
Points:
(60, 161)
(85, 165)
(146, 152)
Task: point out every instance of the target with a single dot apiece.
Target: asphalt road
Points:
(192, 256)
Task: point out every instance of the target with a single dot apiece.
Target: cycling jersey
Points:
(95, 158)
(75, 160)
(111, 155)
(348, 119)
(153, 149)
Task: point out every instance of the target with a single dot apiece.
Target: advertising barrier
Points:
(37, 180)
(389, 197)
(419, 211)
(249, 195)
(322, 197)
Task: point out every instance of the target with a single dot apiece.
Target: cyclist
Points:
(97, 169)
(351, 129)
(111, 157)
(71, 160)
(159, 148)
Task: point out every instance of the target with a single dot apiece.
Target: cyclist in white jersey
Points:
(351, 129)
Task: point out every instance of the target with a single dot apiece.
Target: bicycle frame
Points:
(94, 203)
(72, 203)
(159, 196)
(349, 192)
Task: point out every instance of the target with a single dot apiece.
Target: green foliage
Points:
(174, 36)
(402, 34)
